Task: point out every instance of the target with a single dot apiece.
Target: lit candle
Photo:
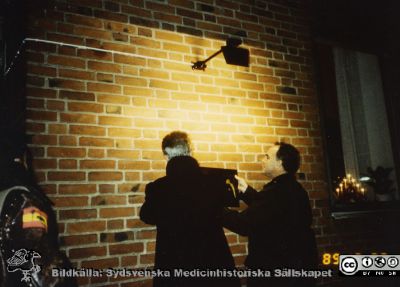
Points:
(341, 186)
(345, 181)
(338, 191)
(362, 191)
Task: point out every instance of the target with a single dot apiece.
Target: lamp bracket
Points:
(201, 65)
(230, 42)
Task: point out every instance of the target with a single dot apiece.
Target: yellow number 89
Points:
(328, 259)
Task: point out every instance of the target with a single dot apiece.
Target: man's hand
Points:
(242, 184)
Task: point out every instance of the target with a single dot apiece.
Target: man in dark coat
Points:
(277, 221)
(187, 213)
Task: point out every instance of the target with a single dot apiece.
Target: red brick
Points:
(97, 164)
(146, 234)
(104, 67)
(122, 27)
(114, 110)
(113, 99)
(230, 157)
(35, 127)
(68, 141)
(105, 176)
(78, 118)
(41, 115)
(66, 61)
(133, 176)
(105, 88)
(68, 164)
(160, 54)
(108, 200)
(55, 105)
(41, 70)
(87, 130)
(124, 132)
(77, 201)
(35, 57)
(64, 28)
(95, 55)
(148, 43)
(78, 96)
(117, 212)
(45, 163)
(238, 249)
(206, 156)
(115, 224)
(85, 107)
(76, 74)
(77, 189)
(250, 166)
(101, 142)
(78, 239)
(262, 70)
(286, 131)
(57, 128)
(87, 252)
(44, 139)
(135, 165)
(152, 155)
(84, 20)
(123, 143)
(126, 248)
(294, 115)
(114, 121)
(120, 47)
(129, 261)
(78, 214)
(124, 59)
(92, 33)
(147, 259)
(128, 154)
(300, 124)
(135, 223)
(163, 85)
(223, 148)
(65, 152)
(86, 226)
(147, 144)
(96, 153)
(67, 84)
(64, 38)
(278, 122)
(66, 176)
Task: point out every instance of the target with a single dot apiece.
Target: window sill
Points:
(365, 209)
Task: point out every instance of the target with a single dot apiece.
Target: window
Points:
(358, 141)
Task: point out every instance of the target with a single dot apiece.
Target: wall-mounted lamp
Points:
(232, 54)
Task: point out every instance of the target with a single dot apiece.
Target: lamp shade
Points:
(236, 56)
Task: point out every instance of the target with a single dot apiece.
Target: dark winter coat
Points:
(187, 213)
(278, 225)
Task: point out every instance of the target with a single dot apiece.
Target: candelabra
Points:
(350, 190)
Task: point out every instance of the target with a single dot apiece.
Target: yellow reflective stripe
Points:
(33, 217)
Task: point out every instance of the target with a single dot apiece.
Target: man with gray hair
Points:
(176, 144)
(187, 213)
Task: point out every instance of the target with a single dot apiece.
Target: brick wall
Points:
(98, 116)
